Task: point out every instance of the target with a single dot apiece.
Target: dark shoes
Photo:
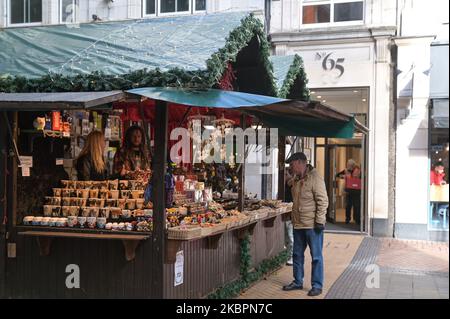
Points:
(314, 292)
(292, 286)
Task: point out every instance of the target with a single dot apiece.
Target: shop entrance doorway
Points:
(332, 154)
(346, 206)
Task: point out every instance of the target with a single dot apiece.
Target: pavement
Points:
(360, 267)
(338, 250)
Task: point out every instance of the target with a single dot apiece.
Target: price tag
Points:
(25, 171)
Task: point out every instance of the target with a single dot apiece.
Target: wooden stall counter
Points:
(46, 235)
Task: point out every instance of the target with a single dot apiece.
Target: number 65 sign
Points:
(331, 64)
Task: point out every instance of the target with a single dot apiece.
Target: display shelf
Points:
(48, 133)
(46, 235)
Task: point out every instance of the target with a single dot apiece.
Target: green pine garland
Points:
(296, 72)
(248, 277)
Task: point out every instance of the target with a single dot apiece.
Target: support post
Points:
(241, 191)
(159, 203)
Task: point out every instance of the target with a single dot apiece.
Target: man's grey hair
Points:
(351, 163)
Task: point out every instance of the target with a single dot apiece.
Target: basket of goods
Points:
(144, 226)
(141, 176)
(288, 206)
(230, 205)
(282, 209)
(184, 232)
(271, 203)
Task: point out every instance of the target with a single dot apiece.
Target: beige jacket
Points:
(310, 200)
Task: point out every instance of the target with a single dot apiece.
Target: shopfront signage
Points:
(338, 65)
(331, 63)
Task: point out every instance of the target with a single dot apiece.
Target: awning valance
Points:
(291, 117)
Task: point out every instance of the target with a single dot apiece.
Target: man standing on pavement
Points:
(308, 218)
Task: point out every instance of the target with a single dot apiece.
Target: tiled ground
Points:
(338, 251)
(411, 269)
(413, 255)
(408, 269)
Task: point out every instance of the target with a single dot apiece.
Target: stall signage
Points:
(26, 162)
(179, 267)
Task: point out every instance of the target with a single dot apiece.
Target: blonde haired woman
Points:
(90, 163)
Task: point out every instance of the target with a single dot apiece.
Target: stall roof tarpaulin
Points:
(292, 118)
(184, 42)
(61, 100)
(221, 50)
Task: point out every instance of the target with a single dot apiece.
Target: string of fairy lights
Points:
(126, 48)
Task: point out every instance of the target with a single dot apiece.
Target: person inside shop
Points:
(134, 155)
(437, 175)
(352, 176)
(309, 211)
(90, 164)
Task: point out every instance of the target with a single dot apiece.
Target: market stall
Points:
(138, 248)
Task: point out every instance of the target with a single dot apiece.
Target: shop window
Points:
(149, 7)
(69, 11)
(439, 149)
(316, 14)
(174, 6)
(332, 12)
(25, 11)
(200, 5)
(349, 11)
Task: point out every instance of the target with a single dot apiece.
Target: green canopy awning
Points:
(290, 117)
(206, 97)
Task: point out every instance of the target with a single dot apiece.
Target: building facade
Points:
(17, 13)
(373, 59)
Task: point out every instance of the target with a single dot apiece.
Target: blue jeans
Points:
(314, 240)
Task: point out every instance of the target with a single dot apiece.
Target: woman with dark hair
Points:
(134, 155)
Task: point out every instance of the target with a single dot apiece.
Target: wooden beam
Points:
(3, 201)
(241, 190)
(159, 203)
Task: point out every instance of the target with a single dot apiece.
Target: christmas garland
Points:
(248, 277)
(296, 73)
(217, 65)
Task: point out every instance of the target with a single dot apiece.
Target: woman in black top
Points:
(90, 163)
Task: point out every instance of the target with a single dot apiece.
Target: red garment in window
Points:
(436, 178)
